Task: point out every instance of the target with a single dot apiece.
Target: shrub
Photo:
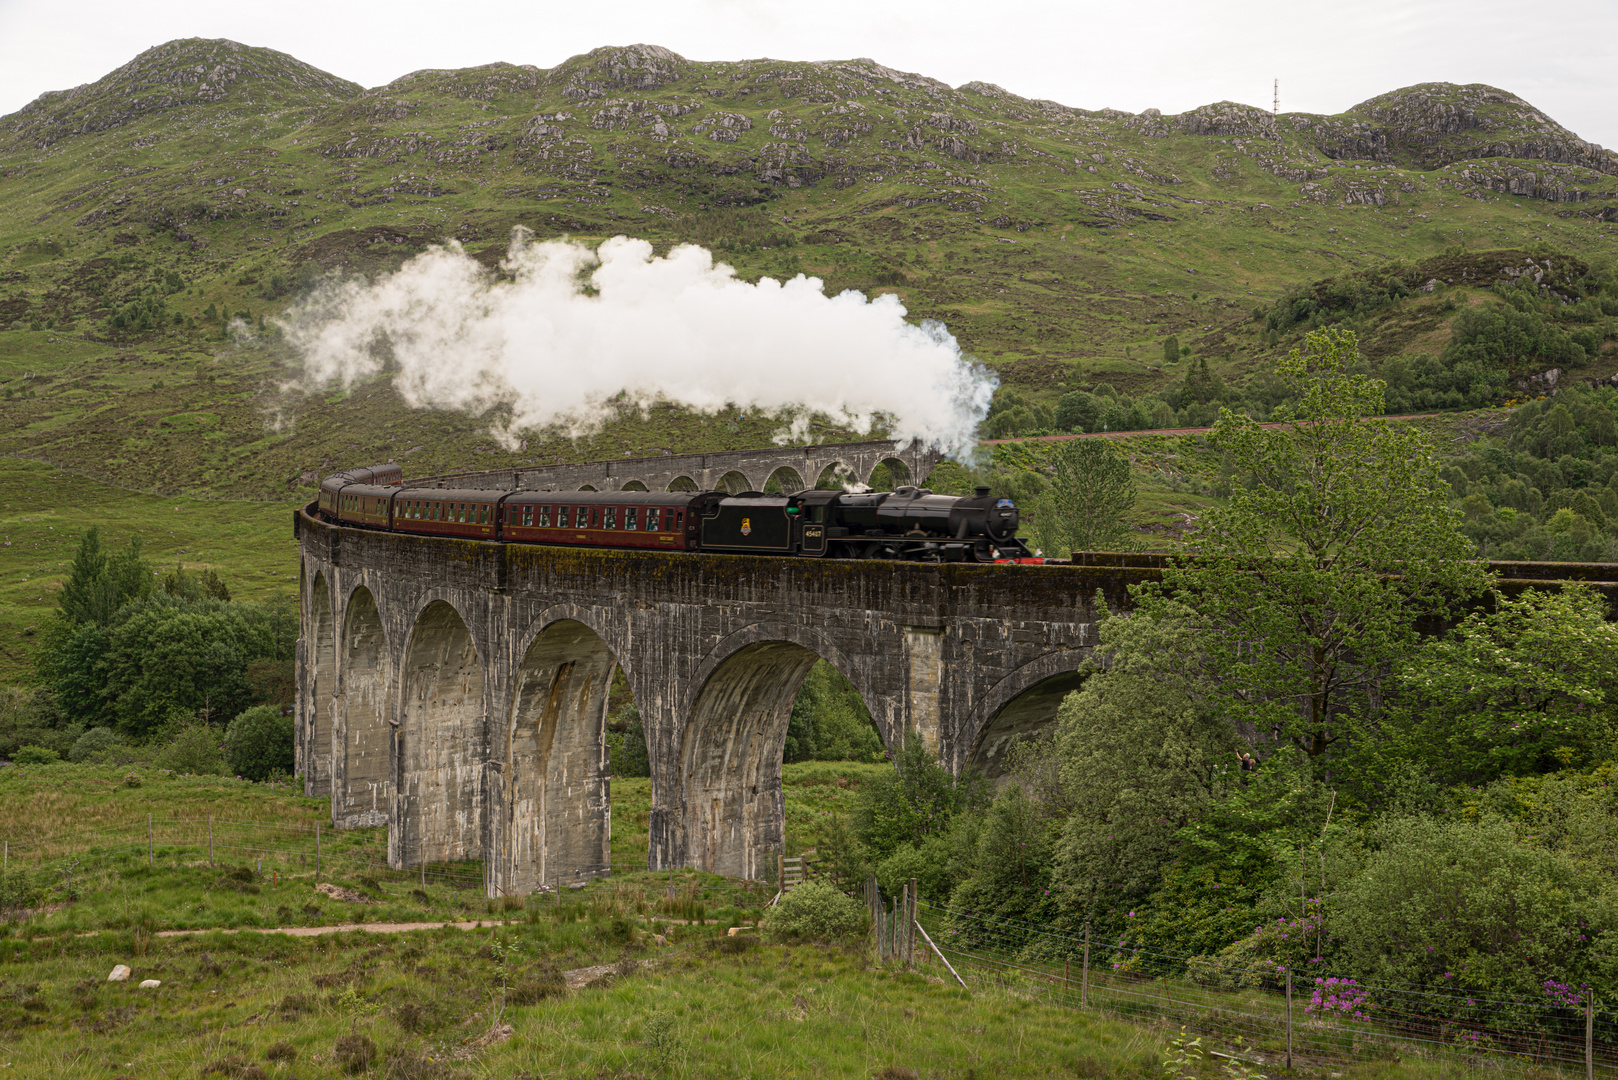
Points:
(19, 890)
(35, 755)
(259, 743)
(94, 741)
(928, 863)
(1078, 411)
(354, 1053)
(535, 986)
(815, 911)
(1461, 906)
(195, 749)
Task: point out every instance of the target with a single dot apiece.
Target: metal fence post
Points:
(1289, 1021)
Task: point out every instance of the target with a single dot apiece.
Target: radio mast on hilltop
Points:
(1275, 108)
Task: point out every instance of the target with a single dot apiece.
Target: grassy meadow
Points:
(683, 997)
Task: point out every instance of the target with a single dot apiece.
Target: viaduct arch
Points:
(465, 685)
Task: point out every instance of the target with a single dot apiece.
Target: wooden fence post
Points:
(910, 931)
(1289, 1021)
(149, 859)
(317, 851)
(1590, 1036)
(942, 958)
(1084, 985)
(210, 840)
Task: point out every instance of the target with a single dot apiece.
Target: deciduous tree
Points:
(1091, 491)
(1336, 543)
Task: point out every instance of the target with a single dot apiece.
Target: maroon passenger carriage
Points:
(908, 523)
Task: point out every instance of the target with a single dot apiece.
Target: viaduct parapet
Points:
(456, 691)
(787, 468)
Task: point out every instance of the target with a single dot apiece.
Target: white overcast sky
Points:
(1170, 54)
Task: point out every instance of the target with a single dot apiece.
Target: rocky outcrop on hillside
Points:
(602, 72)
(1227, 118)
(189, 72)
(485, 83)
(1437, 124)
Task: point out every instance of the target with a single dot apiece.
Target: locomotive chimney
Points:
(983, 491)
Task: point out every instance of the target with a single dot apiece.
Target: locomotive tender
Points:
(907, 523)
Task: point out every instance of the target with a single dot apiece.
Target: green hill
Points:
(207, 179)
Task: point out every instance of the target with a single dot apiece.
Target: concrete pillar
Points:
(924, 654)
(439, 802)
(554, 812)
(362, 788)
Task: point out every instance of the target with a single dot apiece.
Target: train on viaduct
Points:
(455, 690)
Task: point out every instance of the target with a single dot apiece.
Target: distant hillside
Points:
(1063, 246)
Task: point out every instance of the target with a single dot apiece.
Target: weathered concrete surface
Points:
(792, 468)
(482, 671)
(457, 690)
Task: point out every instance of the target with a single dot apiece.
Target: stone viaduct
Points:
(456, 691)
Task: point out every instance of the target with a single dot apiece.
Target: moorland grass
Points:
(698, 1003)
(703, 1005)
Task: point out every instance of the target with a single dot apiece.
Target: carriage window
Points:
(679, 516)
(653, 521)
(528, 515)
(482, 515)
(583, 517)
(561, 517)
(612, 518)
(629, 517)
(544, 517)
(459, 510)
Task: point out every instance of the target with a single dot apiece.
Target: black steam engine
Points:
(907, 523)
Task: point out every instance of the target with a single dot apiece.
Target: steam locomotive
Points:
(906, 523)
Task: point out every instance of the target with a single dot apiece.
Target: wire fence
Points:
(1260, 1013)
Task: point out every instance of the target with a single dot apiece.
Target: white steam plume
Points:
(574, 328)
